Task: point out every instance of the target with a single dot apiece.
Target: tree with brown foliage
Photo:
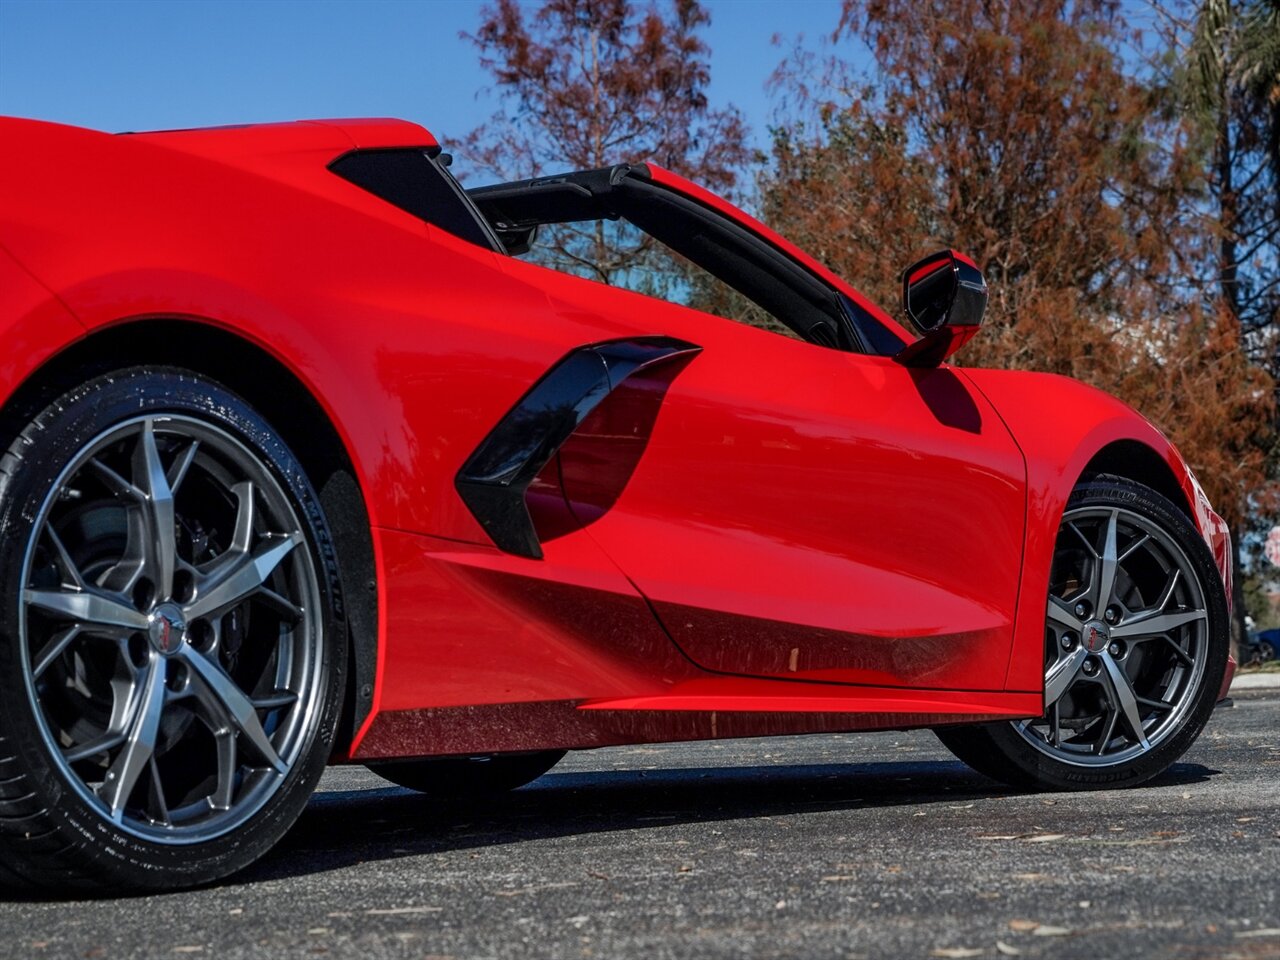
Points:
(589, 83)
(1014, 130)
(1226, 81)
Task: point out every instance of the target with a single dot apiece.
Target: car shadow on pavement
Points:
(341, 828)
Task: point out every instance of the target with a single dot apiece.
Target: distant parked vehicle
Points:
(1262, 646)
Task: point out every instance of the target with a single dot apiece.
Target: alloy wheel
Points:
(170, 636)
(1126, 639)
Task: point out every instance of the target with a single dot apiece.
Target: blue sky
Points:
(153, 64)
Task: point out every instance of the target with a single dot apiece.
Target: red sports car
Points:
(302, 464)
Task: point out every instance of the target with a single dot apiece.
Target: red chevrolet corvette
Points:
(303, 464)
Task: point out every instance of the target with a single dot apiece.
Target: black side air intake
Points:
(493, 481)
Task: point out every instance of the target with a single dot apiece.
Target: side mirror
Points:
(944, 297)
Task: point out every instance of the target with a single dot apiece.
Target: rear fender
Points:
(34, 325)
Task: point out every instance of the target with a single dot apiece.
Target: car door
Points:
(792, 510)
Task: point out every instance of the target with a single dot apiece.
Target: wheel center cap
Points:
(1095, 636)
(168, 629)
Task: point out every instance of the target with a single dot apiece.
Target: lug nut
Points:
(184, 587)
(1082, 609)
(1112, 615)
(1068, 641)
(176, 680)
(1114, 649)
(139, 650)
(144, 594)
(1090, 667)
(200, 635)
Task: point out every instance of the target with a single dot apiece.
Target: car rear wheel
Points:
(170, 656)
(448, 778)
(1136, 642)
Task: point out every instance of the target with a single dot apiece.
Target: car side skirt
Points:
(702, 709)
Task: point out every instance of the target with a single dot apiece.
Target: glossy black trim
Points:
(946, 303)
(418, 181)
(495, 478)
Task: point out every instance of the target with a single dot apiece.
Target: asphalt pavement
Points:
(870, 845)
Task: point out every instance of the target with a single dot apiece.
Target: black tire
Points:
(1266, 651)
(55, 830)
(455, 778)
(1004, 751)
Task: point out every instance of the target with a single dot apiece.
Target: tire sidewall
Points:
(35, 460)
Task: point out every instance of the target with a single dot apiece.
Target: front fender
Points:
(1061, 426)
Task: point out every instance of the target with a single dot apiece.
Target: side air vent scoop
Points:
(495, 478)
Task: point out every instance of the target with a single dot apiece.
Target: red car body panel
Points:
(767, 537)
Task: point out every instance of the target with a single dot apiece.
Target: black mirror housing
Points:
(944, 296)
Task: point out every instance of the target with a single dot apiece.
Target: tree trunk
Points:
(1229, 288)
(1273, 151)
(1237, 599)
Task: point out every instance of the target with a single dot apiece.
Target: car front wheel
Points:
(1136, 642)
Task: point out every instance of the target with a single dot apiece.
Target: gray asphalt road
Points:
(834, 846)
